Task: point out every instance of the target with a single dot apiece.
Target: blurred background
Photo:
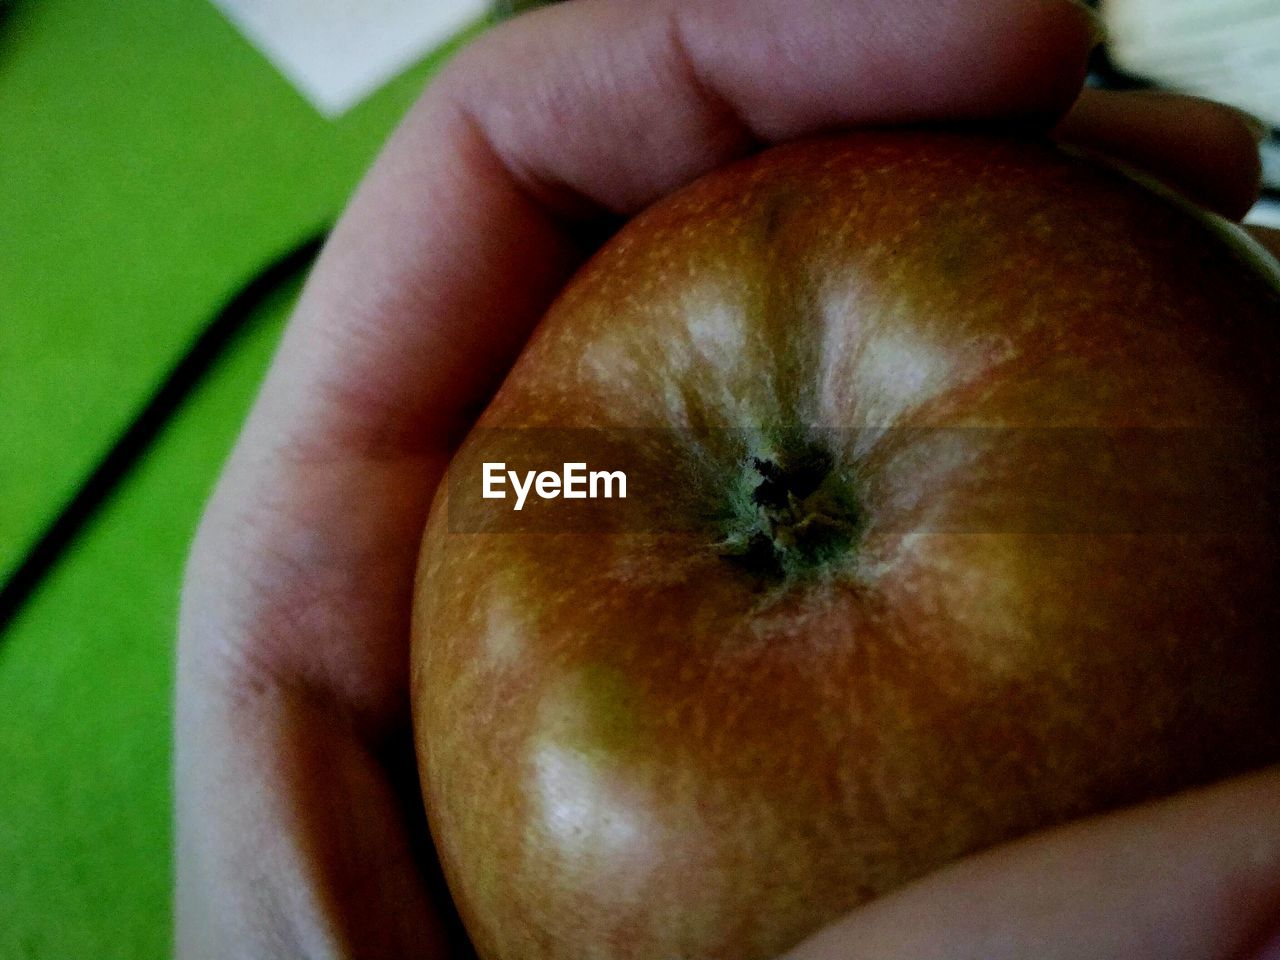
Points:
(167, 171)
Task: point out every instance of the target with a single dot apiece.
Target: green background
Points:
(151, 161)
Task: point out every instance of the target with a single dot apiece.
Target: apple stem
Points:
(795, 515)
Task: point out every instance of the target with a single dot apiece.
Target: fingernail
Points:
(1270, 950)
(1260, 129)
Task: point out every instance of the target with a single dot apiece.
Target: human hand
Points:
(300, 824)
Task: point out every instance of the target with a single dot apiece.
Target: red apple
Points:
(952, 516)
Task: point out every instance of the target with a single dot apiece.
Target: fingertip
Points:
(1234, 196)
(1202, 149)
(1058, 38)
(1011, 62)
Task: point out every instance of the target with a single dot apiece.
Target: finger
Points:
(1269, 237)
(292, 842)
(600, 107)
(295, 616)
(1196, 877)
(1205, 150)
(689, 85)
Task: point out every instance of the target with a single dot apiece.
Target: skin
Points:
(641, 742)
(299, 823)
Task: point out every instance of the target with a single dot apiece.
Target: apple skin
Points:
(636, 746)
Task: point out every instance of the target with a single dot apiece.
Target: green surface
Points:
(85, 679)
(150, 162)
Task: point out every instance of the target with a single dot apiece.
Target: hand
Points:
(299, 819)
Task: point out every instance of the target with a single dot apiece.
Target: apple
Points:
(952, 516)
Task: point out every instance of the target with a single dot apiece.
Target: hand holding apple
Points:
(299, 814)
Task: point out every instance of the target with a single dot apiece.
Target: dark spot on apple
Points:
(774, 216)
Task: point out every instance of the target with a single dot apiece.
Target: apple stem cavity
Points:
(793, 516)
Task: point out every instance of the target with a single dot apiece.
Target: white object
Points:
(1265, 214)
(337, 52)
(1226, 50)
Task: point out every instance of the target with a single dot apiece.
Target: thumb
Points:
(1194, 877)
